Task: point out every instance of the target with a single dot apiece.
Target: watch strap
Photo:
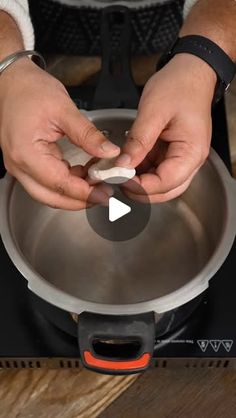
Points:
(208, 51)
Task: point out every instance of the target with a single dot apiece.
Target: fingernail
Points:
(107, 189)
(107, 146)
(123, 161)
(98, 196)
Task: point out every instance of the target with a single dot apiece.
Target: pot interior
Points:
(178, 241)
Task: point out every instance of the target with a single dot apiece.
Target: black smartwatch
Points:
(211, 53)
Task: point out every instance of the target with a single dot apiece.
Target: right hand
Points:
(35, 111)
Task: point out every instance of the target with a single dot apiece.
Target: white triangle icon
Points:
(203, 344)
(227, 344)
(215, 344)
(117, 209)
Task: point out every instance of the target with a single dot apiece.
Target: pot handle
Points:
(116, 87)
(116, 344)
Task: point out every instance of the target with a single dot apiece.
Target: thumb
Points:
(84, 134)
(141, 139)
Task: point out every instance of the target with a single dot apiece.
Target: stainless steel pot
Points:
(119, 286)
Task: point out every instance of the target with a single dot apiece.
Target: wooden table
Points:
(158, 393)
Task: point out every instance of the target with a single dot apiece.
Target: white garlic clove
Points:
(104, 170)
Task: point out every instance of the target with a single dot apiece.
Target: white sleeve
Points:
(188, 6)
(19, 10)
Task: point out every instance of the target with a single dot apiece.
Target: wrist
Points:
(15, 74)
(19, 57)
(196, 71)
(217, 38)
(211, 57)
(22, 63)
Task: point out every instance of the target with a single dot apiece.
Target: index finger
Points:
(49, 169)
(179, 165)
(143, 135)
(83, 133)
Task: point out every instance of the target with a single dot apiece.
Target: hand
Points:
(170, 139)
(35, 111)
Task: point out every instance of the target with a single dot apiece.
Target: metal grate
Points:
(28, 363)
(69, 364)
(74, 363)
(20, 364)
(160, 363)
(195, 363)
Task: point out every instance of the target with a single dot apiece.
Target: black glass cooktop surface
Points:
(29, 339)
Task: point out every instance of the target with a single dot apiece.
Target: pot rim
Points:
(184, 294)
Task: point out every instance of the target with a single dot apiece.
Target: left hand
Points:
(170, 139)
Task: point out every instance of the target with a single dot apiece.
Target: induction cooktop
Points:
(31, 338)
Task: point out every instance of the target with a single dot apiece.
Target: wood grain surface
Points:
(158, 393)
(58, 393)
(195, 393)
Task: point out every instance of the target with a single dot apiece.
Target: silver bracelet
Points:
(39, 60)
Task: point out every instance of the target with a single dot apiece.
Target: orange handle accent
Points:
(117, 365)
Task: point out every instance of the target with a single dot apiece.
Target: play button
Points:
(123, 219)
(117, 209)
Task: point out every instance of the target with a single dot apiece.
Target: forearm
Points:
(10, 36)
(18, 10)
(215, 19)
